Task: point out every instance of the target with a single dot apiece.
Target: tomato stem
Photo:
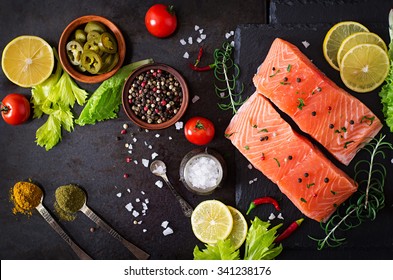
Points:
(171, 10)
(3, 108)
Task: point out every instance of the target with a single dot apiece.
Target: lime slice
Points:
(335, 36)
(364, 67)
(357, 39)
(211, 221)
(239, 230)
(27, 61)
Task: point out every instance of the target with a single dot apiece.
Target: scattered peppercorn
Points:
(326, 180)
(290, 157)
(352, 122)
(298, 80)
(331, 126)
(285, 79)
(313, 113)
(125, 176)
(306, 174)
(299, 180)
(123, 131)
(264, 138)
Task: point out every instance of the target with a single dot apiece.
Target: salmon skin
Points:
(312, 182)
(333, 117)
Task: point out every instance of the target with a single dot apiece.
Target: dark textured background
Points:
(92, 157)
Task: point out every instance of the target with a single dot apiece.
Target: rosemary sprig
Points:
(370, 197)
(226, 73)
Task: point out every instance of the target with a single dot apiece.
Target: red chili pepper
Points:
(199, 56)
(263, 200)
(289, 230)
(202, 69)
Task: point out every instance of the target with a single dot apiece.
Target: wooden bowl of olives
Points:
(155, 96)
(91, 49)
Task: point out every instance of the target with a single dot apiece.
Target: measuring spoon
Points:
(158, 168)
(137, 252)
(47, 216)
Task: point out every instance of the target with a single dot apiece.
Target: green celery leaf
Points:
(49, 134)
(105, 102)
(222, 250)
(260, 241)
(62, 92)
(66, 118)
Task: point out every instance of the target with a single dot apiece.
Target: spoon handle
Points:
(138, 253)
(47, 216)
(185, 207)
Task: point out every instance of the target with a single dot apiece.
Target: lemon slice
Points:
(239, 230)
(364, 67)
(27, 61)
(335, 36)
(211, 221)
(357, 39)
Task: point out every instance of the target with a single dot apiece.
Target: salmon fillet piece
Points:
(313, 183)
(333, 117)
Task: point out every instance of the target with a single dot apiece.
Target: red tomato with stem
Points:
(199, 130)
(15, 109)
(161, 20)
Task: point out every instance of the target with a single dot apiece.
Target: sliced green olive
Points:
(95, 26)
(93, 35)
(108, 43)
(91, 61)
(74, 52)
(80, 36)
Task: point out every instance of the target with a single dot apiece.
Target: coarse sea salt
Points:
(118, 194)
(280, 216)
(183, 42)
(306, 44)
(135, 213)
(272, 216)
(154, 155)
(167, 231)
(203, 172)
(159, 184)
(190, 40)
(186, 55)
(179, 125)
(196, 27)
(145, 162)
(165, 224)
(129, 207)
(195, 98)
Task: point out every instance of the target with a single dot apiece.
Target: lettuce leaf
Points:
(260, 241)
(222, 250)
(104, 103)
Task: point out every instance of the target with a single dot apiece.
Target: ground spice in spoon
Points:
(26, 196)
(69, 199)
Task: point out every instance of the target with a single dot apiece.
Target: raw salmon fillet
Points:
(300, 170)
(333, 117)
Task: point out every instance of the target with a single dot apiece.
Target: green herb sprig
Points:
(226, 73)
(370, 198)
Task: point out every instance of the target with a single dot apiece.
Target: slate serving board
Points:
(372, 240)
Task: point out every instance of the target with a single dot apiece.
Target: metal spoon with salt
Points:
(47, 216)
(137, 252)
(158, 168)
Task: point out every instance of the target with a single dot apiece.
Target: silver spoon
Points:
(137, 252)
(47, 216)
(158, 168)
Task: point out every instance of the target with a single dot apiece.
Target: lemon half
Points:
(335, 36)
(27, 60)
(211, 221)
(364, 67)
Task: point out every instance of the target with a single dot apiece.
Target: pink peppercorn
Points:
(125, 176)
(123, 131)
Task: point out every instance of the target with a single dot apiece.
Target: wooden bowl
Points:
(127, 106)
(71, 69)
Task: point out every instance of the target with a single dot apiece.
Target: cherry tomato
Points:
(161, 20)
(15, 109)
(199, 130)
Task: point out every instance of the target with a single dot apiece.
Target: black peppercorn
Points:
(298, 80)
(326, 180)
(313, 113)
(299, 180)
(331, 126)
(306, 174)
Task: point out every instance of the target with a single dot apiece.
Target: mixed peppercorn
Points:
(155, 96)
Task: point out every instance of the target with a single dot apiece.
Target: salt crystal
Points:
(146, 130)
(135, 213)
(129, 190)
(280, 216)
(144, 205)
(134, 139)
(142, 192)
(199, 40)
(306, 44)
(147, 201)
(249, 166)
(203, 172)
(159, 184)
(200, 31)
(250, 182)
(150, 147)
(145, 162)
(186, 55)
(167, 231)
(272, 216)
(130, 147)
(137, 200)
(179, 125)
(164, 224)
(129, 151)
(145, 143)
(255, 179)
(195, 98)
(391, 160)
(190, 40)
(157, 135)
(170, 138)
(232, 44)
(196, 27)
(183, 42)
(129, 207)
(144, 230)
(135, 161)
(232, 32)
(203, 36)
(118, 194)
(227, 35)
(222, 94)
(154, 155)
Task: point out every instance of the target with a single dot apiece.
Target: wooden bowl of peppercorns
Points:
(155, 96)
